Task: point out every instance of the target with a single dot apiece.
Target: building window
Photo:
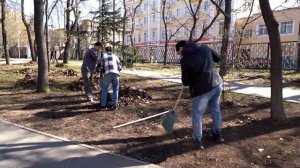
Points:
(221, 28)
(178, 12)
(186, 11)
(195, 7)
(204, 26)
(206, 6)
(145, 37)
(248, 33)
(153, 35)
(140, 38)
(195, 32)
(222, 2)
(262, 30)
(163, 35)
(145, 20)
(286, 27)
(134, 39)
(153, 18)
(145, 7)
(153, 4)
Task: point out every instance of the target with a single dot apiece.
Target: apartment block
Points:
(149, 26)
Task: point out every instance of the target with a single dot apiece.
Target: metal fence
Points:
(253, 55)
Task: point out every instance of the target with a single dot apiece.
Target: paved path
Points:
(21, 147)
(291, 95)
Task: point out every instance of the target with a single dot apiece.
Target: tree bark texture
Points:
(4, 33)
(28, 30)
(42, 83)
(225, 40)
(277, 110)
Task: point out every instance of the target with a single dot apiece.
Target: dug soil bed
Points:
(251, 138)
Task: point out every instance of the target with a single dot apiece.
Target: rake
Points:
(168, 121)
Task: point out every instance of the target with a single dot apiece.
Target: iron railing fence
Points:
(252, 55)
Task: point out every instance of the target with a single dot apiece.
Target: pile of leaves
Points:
(66, 72)
(28, 81)
(30, 63)
(250, 77)
(131, 95)
(128, 95)
(24, 71)
(79, 86)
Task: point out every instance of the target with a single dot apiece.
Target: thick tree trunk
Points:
(42, 83)
(225, 40)
(28, 30)
(277, 110)
(4, 34)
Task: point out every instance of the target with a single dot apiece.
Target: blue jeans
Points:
(87, 81)
(108, 79)
(199, 104)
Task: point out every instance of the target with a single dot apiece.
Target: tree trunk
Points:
(225, 40)
(28, 30)
(42, 83)
(277, 110)
(46, 33)
(4, 34)
(68, 31)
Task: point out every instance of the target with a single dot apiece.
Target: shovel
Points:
(168, 121)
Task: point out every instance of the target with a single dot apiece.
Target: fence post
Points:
(298, 56)
(268, 55)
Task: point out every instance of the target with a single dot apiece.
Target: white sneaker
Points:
(91, 100)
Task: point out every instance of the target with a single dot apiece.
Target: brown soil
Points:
(247, 128)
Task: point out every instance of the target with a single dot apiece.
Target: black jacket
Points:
(198, 69)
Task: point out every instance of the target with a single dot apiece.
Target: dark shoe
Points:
(100, 108)
(218, 138)
(194, 144)
(115, 107)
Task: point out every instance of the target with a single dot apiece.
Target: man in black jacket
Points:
(205, 86)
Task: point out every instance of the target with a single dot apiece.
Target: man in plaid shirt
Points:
(110, 67)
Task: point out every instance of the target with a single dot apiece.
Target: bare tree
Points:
(168, 36)
(277, 110)
(28, 30)
(132, 17)
(42, 83)
(48, 15)
(125, 12)
(4, 33)
(70, 27)
(225, 40)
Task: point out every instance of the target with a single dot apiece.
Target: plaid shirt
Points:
(110, 63)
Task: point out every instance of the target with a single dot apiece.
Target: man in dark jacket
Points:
(205, 86)
(88, 67)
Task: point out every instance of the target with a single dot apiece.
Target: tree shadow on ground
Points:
(155, 151)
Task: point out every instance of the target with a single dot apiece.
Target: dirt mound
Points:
(28, 81)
